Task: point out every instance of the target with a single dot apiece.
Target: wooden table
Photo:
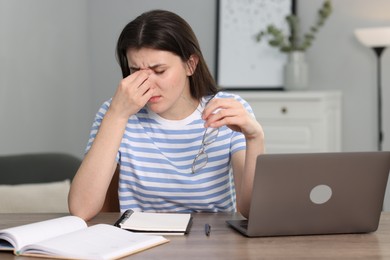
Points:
(225, 243)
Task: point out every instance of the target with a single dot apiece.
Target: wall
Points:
(44, 78)
(57, 65)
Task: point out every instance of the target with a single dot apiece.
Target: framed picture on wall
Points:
(242, 62)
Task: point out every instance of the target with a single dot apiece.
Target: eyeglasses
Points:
(201, 159)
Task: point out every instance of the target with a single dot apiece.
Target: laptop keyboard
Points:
(244, 224)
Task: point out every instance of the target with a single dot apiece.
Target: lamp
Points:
(377, 39)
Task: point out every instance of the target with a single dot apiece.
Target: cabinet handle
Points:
(284, 110)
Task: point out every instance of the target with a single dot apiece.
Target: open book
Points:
(155, 223)
(70, 237)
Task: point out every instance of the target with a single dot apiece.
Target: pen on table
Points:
(207, 229)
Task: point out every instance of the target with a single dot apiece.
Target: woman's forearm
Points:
(90, 184)
(254, 148)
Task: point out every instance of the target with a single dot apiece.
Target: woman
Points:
(180, 144)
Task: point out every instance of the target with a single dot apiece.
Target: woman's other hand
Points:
(232, 113)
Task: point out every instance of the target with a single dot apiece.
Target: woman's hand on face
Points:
(132, 94)
(230, 112)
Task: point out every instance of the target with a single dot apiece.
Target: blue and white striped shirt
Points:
(156, 157)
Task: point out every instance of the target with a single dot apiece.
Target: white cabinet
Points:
(298, 122)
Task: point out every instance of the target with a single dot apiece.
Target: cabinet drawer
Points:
(287, 109)
(296, 136)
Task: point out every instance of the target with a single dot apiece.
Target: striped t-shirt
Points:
(156, 157)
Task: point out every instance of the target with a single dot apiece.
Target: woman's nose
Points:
(147, 70)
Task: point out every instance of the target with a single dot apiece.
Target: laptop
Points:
(320, 193)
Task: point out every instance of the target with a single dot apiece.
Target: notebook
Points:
(155, 223)
(320, 193)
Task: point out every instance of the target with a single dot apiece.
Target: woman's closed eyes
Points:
(156, 71)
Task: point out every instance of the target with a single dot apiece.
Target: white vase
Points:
(296, 71)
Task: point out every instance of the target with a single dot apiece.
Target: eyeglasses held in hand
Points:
(201, 159)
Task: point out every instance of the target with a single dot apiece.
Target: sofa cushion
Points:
(35, 197)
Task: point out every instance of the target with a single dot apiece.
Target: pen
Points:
(123, 218)
(207, 229)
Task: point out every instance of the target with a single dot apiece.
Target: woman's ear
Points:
(191, 64)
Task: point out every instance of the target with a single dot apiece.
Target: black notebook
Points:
(155, 223)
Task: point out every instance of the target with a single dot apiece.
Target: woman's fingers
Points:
(133, 93)
(232, 113)
(220, 111)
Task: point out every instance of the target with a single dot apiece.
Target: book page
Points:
(144, 221)
(100, 241)
(31, 233)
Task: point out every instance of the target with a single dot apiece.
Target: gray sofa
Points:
(37, 168)
(37, 182)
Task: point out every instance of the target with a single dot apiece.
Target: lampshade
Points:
(374, 37)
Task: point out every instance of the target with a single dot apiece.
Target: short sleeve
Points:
(96, 125)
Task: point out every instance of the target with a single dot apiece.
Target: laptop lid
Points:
(321, 193)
